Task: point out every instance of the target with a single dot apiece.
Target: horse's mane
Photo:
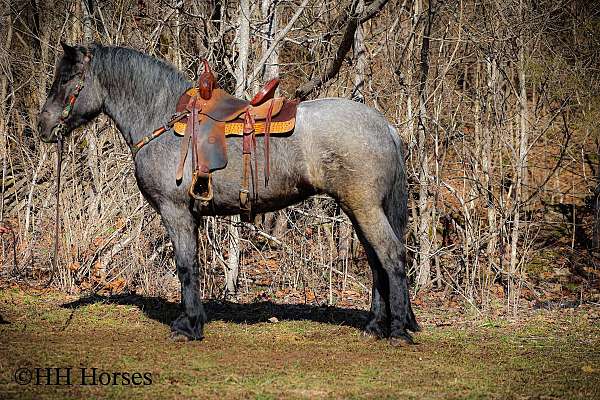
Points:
(136, 75)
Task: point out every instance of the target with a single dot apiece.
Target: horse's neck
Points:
(136, 109)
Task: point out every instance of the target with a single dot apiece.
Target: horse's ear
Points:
(70, 51)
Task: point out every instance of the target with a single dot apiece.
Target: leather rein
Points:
(157, 132)
(59, 130)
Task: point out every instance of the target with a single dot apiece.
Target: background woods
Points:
(498, 103)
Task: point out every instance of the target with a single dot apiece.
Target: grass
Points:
(548, 354)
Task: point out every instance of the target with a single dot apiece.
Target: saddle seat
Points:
(225, 108)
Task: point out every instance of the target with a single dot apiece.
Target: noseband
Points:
(59, 130)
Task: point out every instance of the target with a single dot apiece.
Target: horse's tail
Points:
(396, 210)
(396, 202)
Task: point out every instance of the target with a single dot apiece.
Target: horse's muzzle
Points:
(50, 135)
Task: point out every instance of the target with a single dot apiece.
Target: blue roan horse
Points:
(339, 147)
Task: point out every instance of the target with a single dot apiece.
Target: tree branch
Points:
(276, 41)
(334, 65)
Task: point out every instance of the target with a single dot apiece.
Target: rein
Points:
(59, 148)
(157, 132)
(59, 130)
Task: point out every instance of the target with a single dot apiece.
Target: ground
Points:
(306, 352)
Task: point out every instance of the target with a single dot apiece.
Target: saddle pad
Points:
(237, 129)
(283, 122)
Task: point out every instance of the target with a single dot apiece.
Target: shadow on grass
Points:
(164, 311)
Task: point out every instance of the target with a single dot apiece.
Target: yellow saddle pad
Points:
(236, 127)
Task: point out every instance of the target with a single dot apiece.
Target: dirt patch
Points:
(312, 352)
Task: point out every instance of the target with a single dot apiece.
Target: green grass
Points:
(549, 354)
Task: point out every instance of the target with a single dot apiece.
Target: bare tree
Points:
(233, 261)
(353, 19)
(425, 230)
(521, 165)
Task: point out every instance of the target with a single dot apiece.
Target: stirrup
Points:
(244, 200)
(205, 196)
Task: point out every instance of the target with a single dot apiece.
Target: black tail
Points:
(396, 211)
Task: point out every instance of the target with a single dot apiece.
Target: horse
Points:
(339, 147)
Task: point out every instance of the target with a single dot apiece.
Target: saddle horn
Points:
(206, 82)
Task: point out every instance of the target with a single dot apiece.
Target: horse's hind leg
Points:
(389, 275)
(378, 324)
(183, 231)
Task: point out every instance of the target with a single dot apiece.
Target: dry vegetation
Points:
(498, 103)
(311, 353)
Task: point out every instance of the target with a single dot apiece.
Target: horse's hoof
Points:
(375, 330)
(412, 325)
(402, 340)
(370, 335)
(179, 337)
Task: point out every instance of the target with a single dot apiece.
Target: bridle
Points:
(59, 130)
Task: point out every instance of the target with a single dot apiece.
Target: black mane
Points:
(128, 72)
(139, 89)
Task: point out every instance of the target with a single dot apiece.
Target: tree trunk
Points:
(233, 261)
(269, 14)
(275, 222)
(410, 121)
(424, 205)
(5, 109)
(87, 10)
(281, 224)
(361, 59)
(487, 166)
(520, 172)
(596, 244)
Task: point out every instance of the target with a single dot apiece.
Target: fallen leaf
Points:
(588, 369)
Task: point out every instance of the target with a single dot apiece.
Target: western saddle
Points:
(207, 114)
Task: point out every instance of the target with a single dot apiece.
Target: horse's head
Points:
(73, 99)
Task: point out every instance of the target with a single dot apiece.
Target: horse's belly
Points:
(288, 179)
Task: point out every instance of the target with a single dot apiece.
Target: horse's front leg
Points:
(183, 231)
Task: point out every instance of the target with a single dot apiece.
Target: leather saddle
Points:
(214, 114)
